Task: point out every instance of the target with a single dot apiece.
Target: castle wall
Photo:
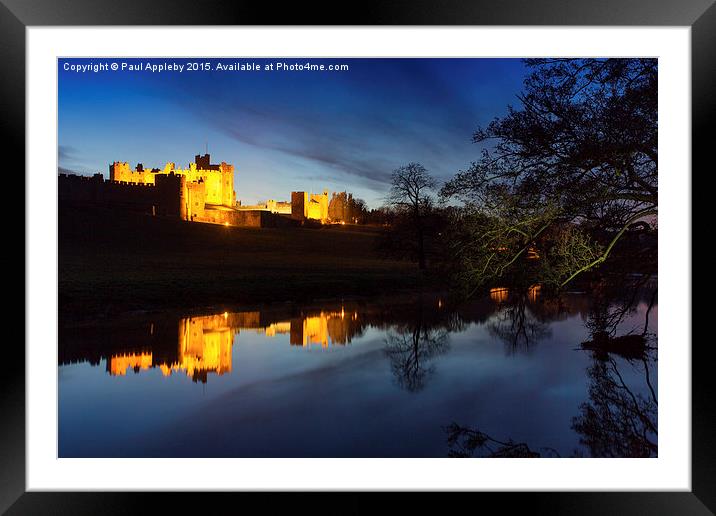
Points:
(233, 217)
(133, 196)
(244, 218)
(121, 171)
(79, 188)
(278, 207)
(95, 190)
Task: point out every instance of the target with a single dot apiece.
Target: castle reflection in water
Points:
(197, 346)
(203, 344)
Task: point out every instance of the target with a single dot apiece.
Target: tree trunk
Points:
(421, 249)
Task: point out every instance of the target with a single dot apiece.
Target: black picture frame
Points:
(700, 15)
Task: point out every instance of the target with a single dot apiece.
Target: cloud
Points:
(69, 161)
(347, 129)
(66, 152)
(312, 141)
(358, 130)
(362, 148)
(63, 170)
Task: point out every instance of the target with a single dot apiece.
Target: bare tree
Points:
(410, 192)
(577, 159)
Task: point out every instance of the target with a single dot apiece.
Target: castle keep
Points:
(202, 192)
(201, 187)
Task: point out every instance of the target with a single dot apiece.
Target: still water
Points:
(513, 374)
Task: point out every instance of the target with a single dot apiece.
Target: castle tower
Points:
(171, 190)
(228, 194)
(299, 200)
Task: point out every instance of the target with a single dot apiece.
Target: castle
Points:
(202, 192)
(203, 186)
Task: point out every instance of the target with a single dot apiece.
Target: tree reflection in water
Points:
(613, 301)
(411, 352)
(619, 418)
(616, 421)
(411, 348)
(468, 442)
(516, 325)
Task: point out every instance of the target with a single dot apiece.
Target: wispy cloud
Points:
(281, 130)
(66, 152)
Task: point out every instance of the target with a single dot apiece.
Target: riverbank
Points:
(115, 261)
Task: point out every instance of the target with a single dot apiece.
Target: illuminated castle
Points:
(309, 206)
(202, 187)
(201, 192)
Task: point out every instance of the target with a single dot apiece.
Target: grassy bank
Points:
(113, 262)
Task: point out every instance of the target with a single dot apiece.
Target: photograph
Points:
(374, 257)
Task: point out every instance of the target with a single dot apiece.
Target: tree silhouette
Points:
(410, 194)
(571, 171)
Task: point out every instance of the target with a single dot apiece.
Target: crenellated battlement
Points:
(140, 185)
(218, 179)
(201, 192)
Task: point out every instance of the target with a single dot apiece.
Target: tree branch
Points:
(606, 252)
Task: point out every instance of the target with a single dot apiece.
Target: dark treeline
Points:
(565, 186)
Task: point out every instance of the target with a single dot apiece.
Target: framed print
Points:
(416, 250)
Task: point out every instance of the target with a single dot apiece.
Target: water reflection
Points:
(470, 442)
(411, 351)
(518, 326)
(518, 373)
(202, 345)
(617, 420)
(119, 364)
(619, 417)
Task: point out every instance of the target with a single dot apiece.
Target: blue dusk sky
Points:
(284, 130)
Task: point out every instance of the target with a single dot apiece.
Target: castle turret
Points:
(202, 162)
